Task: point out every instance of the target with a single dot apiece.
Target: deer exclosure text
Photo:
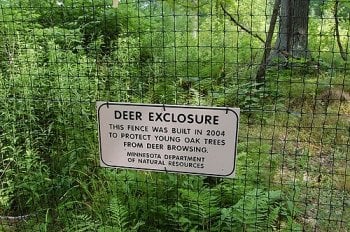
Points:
(168, 117)
(195, 140)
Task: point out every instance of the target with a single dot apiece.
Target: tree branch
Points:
(14, 218)
(240, 25)
(337, 34)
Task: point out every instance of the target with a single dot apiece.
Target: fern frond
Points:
(83, 223)
(256, 211)
(118, 214)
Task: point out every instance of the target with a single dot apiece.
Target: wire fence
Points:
(284, 63)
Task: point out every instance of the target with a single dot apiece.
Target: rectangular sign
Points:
(182, 139)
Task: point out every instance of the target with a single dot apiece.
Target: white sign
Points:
(183, 139)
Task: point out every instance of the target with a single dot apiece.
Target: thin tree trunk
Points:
(337, 34)
(195, 22)
(115, 3)
(260, 76)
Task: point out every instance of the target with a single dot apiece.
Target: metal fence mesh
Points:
(285, 63)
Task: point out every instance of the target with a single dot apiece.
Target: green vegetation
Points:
(57, 58)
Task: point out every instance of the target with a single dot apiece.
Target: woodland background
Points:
(285, 63)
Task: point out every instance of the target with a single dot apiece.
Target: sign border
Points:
(100, 104)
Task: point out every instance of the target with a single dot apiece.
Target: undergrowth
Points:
(292, 161)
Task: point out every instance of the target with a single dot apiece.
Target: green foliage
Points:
(65, 55)
(196, 209)
(118, 215)
(256, 211)
(82, 223)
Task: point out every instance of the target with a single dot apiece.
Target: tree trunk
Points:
(195, 18)
(195, 23)
(260, 75)
(343, 53)
(292, 40)
(115, 3)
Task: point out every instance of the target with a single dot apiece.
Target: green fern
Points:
(196, 209)
(119, 218)
(82, 223)
(118, 214)
(256, 211)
